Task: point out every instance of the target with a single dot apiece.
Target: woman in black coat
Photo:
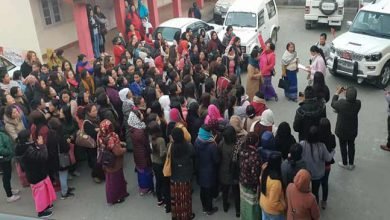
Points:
(56, 144)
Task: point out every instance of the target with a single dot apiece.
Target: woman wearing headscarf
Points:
(141, 152)
(213, 115)
(182, 156)
(250, 164)
(266, 123)
(301, 202)
(34, 162)
(108, 140)
(176, 121)
(283, 139)
(290, 70)
(127, 105)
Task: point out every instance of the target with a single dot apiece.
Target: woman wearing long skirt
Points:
(116, 191)
(249, 178)
(290, 70)
(182, 154)
(254, 77)
(267, 66)
(141, 152)
(34, 162)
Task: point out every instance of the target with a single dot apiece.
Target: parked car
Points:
(11, 67)
(329, 12)
(250, 20)
(170, 27)
(220, 10)
(364, 51)
(363, 3)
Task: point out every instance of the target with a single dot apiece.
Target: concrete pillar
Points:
(176, 5)
(153, 13)
(82, 27)
(120, 15)
(200, 3)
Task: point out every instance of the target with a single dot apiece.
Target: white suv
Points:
(324, 11)
(220, 10)
(364, 51)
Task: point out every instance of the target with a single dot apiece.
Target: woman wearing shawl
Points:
(115, 181)
(213, 115)
(177, 122)
(142, 151)
(127, 105)
(254, 75)
(290, 70)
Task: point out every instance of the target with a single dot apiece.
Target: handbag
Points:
(63, 158)
(167, 170)
(106, 158)
(283, 83)
(84, 140)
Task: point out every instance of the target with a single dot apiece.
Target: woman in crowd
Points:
(284, 139)
(301, 202)
(267, 65)
(102, 22)
(292, 164)
(34, 157)
(95, 33)
(321, 90)
(194, 122)
(70, 128)
(250, 166)
(177, 122)
(315, 155)
(26, 67)
(272, 199)
(254, 77)
(141, 151)
(182, 156)
(318, 63)
(250, 117)
(108, 140)
(329, 140)
(290, 70)
(159, 151)
(13, 123)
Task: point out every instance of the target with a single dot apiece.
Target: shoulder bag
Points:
(283, 83)
(83, 139)
(167, 170)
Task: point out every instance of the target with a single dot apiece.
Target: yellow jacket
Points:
(273, 202)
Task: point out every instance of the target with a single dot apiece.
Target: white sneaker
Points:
(351, 167)
(342, 165)
(13, 198)
(15, 191)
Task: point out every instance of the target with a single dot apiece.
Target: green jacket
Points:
(6, 148)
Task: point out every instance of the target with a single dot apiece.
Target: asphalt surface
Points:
(359, 194)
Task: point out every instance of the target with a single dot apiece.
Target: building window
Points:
(51, 11)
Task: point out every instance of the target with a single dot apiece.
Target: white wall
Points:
(17, 26)
(56, 35)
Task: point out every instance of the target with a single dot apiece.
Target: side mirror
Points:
(349, 23)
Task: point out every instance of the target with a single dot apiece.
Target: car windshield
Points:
(6, 63)
(168, 33)
(241, 19)
(372, 23)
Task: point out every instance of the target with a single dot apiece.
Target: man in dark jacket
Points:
(309, 113)
(347, 124)
(207, 158)
(196, 11)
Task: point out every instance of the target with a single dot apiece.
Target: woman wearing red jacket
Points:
(267, 65)
(135, 19)
(118, 50)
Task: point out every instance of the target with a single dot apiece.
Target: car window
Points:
(241, 19)
(167, 32)
(271, 8)
(202, 25)
(6, 63)
(261, 18)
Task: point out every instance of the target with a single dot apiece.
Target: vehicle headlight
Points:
(373, 57)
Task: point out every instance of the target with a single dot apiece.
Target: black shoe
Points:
(213, 210)
(50, 208)
(71, 189)
(69, 194)
(45, 214)
(226, 207)
(192, 215)
(237, 214)
(276, 98)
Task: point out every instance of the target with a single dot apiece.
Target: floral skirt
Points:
(181, 200)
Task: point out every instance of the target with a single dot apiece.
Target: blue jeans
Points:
(96, 45)
(266, 216)
(63, 181)
(238, 73)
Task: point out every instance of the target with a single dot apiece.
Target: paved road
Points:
(361, 194)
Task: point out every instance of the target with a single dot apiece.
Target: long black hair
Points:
(313, 138)
(273, 170)
(316, 49)
(231, 102)
(229, 135)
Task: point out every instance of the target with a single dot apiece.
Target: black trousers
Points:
(325, 185)
(236, 195)
(315, 188)
(347, 148)
(167, 193)
(206, 197)
(102, 47)
(388, 131)
(7, 170)
(158, 174)
(97, 170)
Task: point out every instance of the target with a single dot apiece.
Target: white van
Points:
(329, 12)
(364, 51)
(248, 19)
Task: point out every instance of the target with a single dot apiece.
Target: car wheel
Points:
(274, 36)
(384, 78)
(308, 25)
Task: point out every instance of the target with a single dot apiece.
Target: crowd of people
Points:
(185, 115)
